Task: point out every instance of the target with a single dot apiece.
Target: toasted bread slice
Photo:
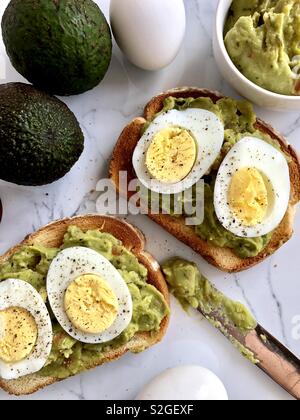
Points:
(52, 236)
(223, 258)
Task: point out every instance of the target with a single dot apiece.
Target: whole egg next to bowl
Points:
(149, 32)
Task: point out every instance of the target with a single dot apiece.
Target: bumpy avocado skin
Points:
(63, 47)
(40, 138)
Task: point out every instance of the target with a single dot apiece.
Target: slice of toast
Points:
(52, 236)
(223, 258)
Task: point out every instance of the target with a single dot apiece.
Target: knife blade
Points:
(264, 350)
(236, 323)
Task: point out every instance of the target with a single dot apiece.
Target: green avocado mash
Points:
(192, 289)
(263, 40)
(68, 356)
(239, 121)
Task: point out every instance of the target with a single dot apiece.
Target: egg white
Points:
(251, 152)
(17, 293)
(67, 267)
(208, 131)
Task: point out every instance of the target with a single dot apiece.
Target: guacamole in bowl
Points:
(262, 38)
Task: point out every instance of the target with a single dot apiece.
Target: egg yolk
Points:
(171, 155)
(90, 304)
(248, 196)
(18, 334)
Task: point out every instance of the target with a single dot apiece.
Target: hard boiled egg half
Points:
(252, 189)
(88, 296)
(25, 330)
(178, 149)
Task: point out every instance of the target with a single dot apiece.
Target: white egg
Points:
(16, 293)
(208, 132)
(67, 267)
(251, 152)
(185, 383)
(149, 32)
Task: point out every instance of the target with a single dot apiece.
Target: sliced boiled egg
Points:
(88, 296)
(185, 383)
(252, 189)
(25, 330)
(178, 149)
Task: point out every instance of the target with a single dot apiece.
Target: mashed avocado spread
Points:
(239, 121)
(68, 356)
(263, 40)
(192, 289)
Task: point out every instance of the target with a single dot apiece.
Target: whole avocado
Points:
(63, 47)
(40, 138)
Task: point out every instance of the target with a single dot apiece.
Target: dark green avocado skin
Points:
(40, 138)
(63, 47)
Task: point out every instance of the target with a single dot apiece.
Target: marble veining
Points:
(270, 290)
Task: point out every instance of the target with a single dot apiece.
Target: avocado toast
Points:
(223, 257)
(131, 242)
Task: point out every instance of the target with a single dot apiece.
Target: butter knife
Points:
(264, 350)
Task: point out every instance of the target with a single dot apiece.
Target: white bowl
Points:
(244, 86)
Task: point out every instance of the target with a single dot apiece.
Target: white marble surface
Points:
(271, 290)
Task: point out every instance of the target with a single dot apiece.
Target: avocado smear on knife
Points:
(262, 38)
(192, 289)
(239, 121)
(68, 356)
